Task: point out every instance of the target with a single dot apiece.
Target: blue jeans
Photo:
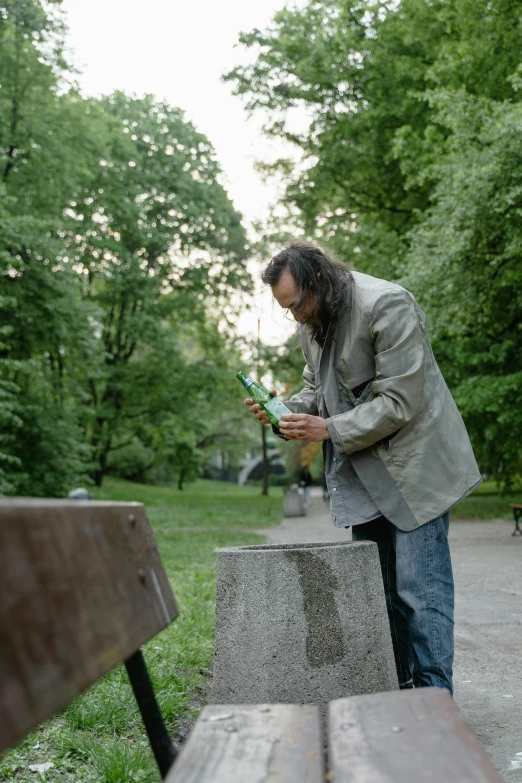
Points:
(418, 585)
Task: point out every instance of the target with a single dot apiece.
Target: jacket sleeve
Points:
(399, 376)
(305, 401)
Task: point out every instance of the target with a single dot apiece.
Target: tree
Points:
(472, 235)
(117, 244)
(196, 404)
(355, 80)
(48, 345)
(157, 242)
(358, 72)
(409, 167)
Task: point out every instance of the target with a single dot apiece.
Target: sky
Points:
(178, 51)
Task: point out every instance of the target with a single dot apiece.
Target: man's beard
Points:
(320, 322)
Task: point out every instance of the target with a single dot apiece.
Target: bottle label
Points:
(276, 408)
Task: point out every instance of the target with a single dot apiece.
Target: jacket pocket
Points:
(363, 392)
(410, 439)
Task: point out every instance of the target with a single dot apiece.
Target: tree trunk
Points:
(103, 431)
(99, 472)
(15, 108)
(265, 461)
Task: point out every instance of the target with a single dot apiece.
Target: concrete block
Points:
(293, 505)
(79, 494)
(301, 624)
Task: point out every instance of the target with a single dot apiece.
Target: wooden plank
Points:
(253, 743)
(515, 505)
(404, 737)
(82, 587)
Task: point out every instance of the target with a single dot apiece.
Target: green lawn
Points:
(99, 738)
(486, 502)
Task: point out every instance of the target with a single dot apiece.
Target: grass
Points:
(204, 503)
(486, 502)
(99, 737)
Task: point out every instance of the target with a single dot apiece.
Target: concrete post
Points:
(293, 505)
(301, 624)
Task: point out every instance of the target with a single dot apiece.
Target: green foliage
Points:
(157, 243)
(358, 71)
(180, 455)
(355, 78)
(10, 424)
(119, 254)
(47, 343)
(42, 359)
(411, 167)
(286, 364)
(131, 461)
(472, 235)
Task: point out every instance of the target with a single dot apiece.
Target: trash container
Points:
(293, 505)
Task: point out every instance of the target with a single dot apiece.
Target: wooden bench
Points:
(253, 743)
(395, 737)
(517, 514)
(82, 588)
(405, 737)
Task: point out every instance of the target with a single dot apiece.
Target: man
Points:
(396, 451)
(306, 481)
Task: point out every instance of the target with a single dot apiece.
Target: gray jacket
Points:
(391, 418)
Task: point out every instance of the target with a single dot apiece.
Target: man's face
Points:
(286, 293)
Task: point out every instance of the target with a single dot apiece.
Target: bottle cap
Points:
(244, 380)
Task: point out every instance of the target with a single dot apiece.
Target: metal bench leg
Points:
(517, 531)
(162, 746)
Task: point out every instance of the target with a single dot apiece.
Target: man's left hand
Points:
(302, 426)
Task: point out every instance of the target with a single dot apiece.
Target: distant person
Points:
(326, 496)
(396, 451)
(306, 481)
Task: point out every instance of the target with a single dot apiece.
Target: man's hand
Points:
(302, 426)
(257, 410)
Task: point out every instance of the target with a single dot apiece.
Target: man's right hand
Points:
(257, 410)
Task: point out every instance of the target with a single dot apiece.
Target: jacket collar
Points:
(335, 399)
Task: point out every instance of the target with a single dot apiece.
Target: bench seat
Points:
(253, 743)
(404, 737)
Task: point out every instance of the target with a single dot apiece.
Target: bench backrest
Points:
(82, 587)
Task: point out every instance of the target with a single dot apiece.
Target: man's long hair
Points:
(319, 278)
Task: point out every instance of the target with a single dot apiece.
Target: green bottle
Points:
(273, 407)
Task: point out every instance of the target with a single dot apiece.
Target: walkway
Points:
(487, 564)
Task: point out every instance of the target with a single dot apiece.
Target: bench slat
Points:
(82, 587)
(251, 744)
(404, 737)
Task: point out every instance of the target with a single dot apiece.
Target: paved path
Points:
(487, 564)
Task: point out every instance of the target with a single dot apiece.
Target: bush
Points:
(132, 462)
